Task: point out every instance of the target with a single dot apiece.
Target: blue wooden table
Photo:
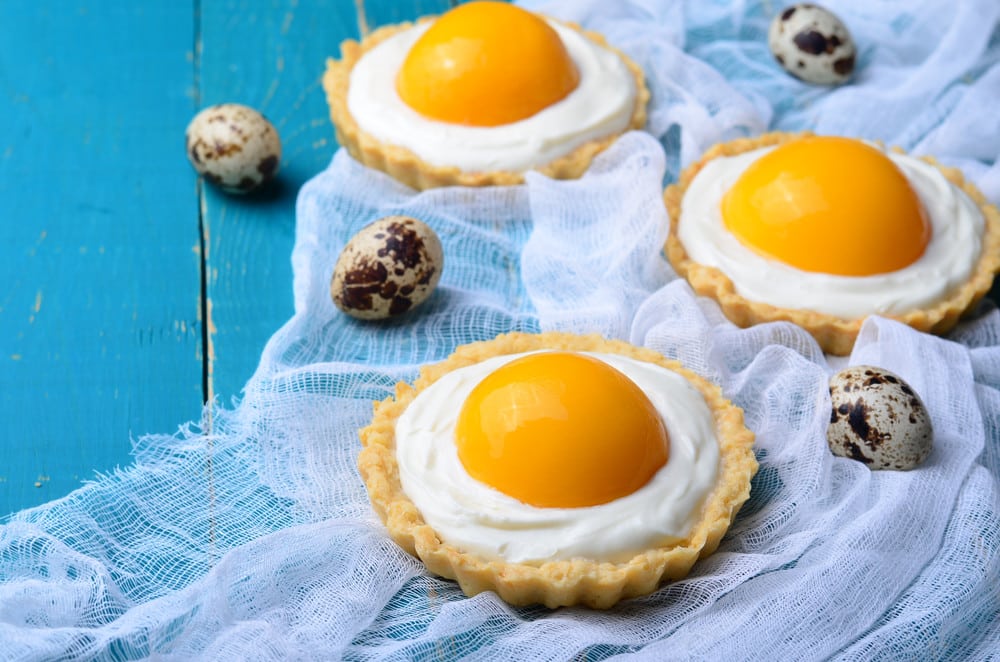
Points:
(132, 292)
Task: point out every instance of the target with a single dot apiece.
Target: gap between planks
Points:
(204, 304)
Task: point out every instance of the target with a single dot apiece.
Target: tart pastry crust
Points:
(586, 581)
(835, 335)
(407, 167)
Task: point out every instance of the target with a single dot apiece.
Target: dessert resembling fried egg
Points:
(825, 231)
(481, 94)
(557, 455)
(523, 464)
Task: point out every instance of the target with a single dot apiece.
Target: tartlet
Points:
(415, 171)
(835, 334)
(587, 581)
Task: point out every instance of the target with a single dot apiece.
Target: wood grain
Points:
(134, 291)
(269, 57)
(99, 328)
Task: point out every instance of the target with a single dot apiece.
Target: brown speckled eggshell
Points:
(878, 419)
(812, 44)
(234, 147)
(387, 268)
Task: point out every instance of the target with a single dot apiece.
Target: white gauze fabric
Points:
(250, 536)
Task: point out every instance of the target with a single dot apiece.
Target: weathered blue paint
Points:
(132, 292)
(99, 326)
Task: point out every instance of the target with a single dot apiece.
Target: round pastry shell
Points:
(590, 582)
(835, 335)
(407, 167)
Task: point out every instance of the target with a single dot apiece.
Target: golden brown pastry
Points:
(411, 101)
(824, 231)
(557, 469)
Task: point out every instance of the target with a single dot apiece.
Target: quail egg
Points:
(812, 44)
(234, 147)
(387, 268)
(878, 419)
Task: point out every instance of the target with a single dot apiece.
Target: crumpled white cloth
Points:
(251, 536)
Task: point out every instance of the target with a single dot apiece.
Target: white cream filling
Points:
(601, 105)
(476, 517)
(956, 240)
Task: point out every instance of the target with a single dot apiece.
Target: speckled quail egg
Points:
(877, 418)
(234, 147)
(812, 44)
(387, 268)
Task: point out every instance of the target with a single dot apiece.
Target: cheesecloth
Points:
(250, 536)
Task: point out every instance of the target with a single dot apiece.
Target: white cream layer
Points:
(478, 518)
(956, 241)
(601, 105)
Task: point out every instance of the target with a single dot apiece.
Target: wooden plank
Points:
(269, 57)
(99, 328)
